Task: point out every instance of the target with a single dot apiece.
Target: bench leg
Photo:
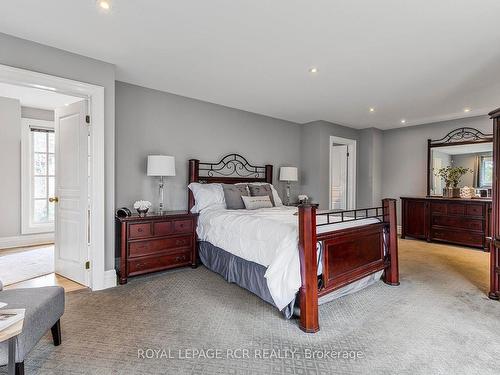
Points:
(56, 333)
(20, 368)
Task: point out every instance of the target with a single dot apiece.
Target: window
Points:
(38, 176)
(486, 171)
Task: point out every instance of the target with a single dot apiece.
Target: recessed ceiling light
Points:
(313, 70)
(104, 4)
(67, 104)
(403, 121)
(466, 110)
(372, 109)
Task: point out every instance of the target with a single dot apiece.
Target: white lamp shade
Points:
(161, 165)
(288, 174)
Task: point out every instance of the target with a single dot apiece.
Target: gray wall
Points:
(369, 168)
(155, 122)
(37, 113)
(404, 159)
(10, 159)
(315, 157)
(24, 54)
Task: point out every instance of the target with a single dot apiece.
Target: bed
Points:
(292, 257)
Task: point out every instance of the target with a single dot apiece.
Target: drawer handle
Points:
(139, 230)
(180, 242)
(180, 259)
(140, 265)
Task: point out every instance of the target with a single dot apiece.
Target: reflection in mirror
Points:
(478, 157)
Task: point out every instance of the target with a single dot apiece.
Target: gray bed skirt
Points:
(246, 274)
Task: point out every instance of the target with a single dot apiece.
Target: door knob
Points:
(53, 199)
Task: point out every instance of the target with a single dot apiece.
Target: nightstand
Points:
(154, 243)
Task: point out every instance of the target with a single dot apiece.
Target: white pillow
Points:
(276, 197)
(207, 195)
(253, 203)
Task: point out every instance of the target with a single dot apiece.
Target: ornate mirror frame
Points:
(460, 136)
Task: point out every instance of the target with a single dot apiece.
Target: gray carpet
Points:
(437, 322)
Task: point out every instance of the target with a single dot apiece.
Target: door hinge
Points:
(87, 119)
(87, 265)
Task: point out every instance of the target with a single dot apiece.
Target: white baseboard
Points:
(399, 229)
(110, 279)
(26, 240)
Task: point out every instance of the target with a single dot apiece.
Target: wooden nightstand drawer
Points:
(140, 230)
(151, 264)
(141, 248)
(163, 228)
(183, 226)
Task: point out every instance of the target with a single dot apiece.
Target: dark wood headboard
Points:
(231, 169)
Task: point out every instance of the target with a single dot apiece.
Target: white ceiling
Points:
(37, 98)
(421, 60)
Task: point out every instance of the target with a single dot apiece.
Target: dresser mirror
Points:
(468, 148)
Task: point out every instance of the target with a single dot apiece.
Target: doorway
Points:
(75, 197)
(342, 191)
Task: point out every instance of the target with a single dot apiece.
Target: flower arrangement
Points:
(142, 207)
(452, 175)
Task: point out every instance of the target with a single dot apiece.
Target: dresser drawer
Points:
(141, 248)
(183, 226)
(140, 230)
(439, 208)
(475, 210)
(458, 222)
(456, 209)
(163, 228)
(460, 237)
(150, 264)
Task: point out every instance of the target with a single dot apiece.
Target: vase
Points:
(142, 213)
(451, 192)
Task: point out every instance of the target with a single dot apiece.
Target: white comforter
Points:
(267, 236)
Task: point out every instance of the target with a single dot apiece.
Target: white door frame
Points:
(95, 95)
(351, 180)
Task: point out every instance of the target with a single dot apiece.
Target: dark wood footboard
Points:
(348, 254)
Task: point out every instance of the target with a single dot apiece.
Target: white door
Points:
(339, 175)
(71, 216)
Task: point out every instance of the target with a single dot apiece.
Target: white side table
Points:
(9, 334)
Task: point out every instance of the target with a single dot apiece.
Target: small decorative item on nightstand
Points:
(155, 243)
(288, 174)
(142, 207)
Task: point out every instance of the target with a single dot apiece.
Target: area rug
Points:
(27, 264)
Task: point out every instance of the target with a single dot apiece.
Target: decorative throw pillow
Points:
(253, 203)
(233, 195)
(261, 190)
(206, 195)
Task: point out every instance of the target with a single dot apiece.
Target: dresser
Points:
(154, 243)
(455, 220)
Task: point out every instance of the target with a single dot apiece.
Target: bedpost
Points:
(269, 173)
(391, 274)
(308, 269)
(194, 167)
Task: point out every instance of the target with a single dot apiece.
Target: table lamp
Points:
(161, 166)
(288, 174)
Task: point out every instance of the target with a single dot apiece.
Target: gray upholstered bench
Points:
(44, 307)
